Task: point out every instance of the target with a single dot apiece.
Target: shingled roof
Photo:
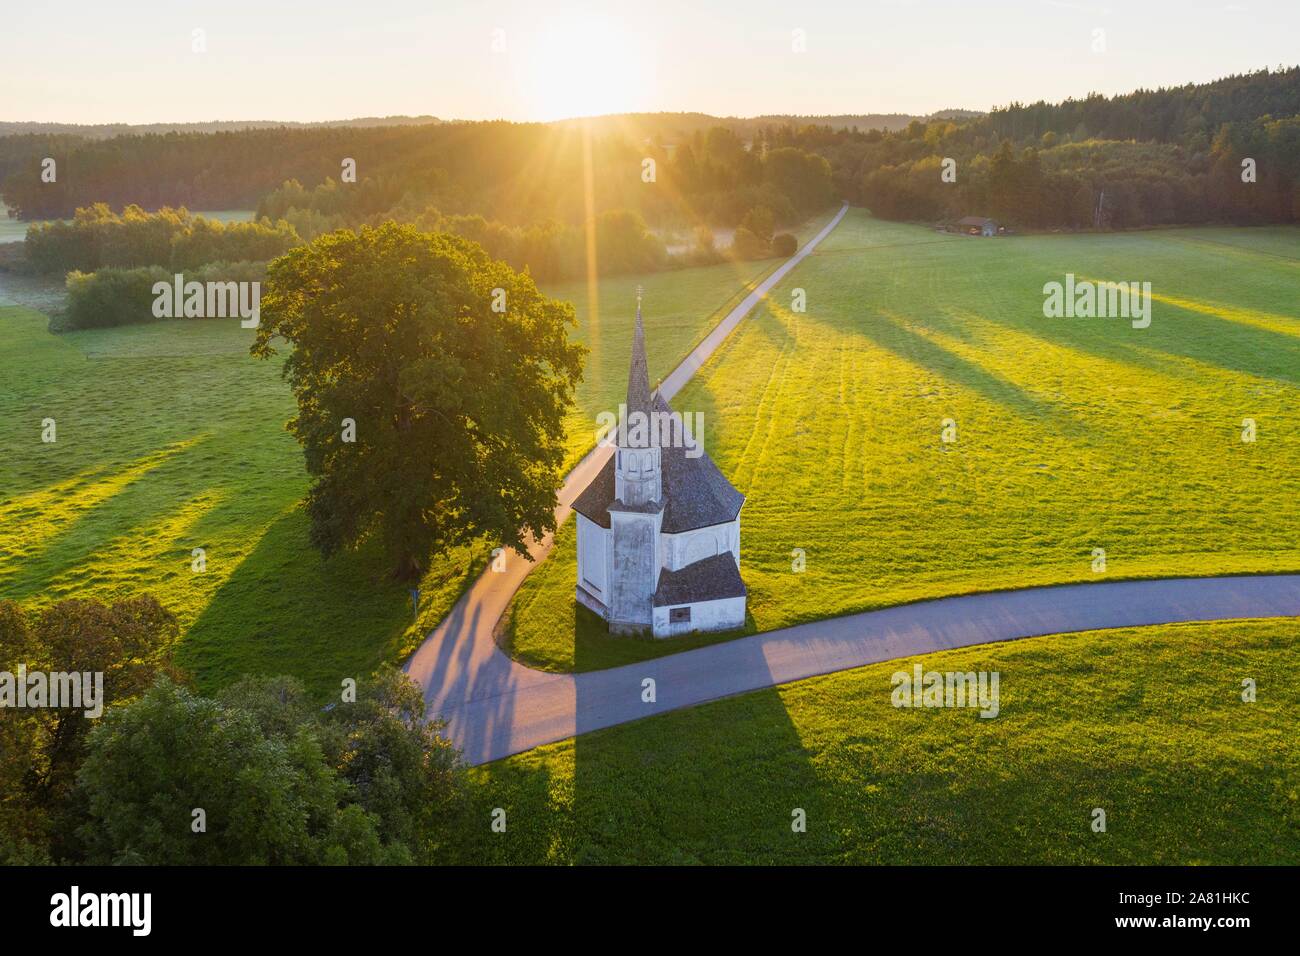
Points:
(711, 579)
(696, 493)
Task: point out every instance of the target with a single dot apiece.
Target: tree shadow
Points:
(511, 793)
(284, 610)
(890, 332)
(1187, 334)
(1221, 333)
(60, 528)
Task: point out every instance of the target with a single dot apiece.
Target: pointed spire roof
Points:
(638, 378)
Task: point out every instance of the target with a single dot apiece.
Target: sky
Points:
(145, 61)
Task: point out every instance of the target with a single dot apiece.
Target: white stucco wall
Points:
(593, 558)
(676, 551)
(596, 563)
(724, 615)
(634, 567)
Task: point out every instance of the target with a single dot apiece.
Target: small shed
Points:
(978, 226)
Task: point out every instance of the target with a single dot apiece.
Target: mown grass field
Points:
(1071, 434)
(170, 437)
(1147, 724)
(682, 306)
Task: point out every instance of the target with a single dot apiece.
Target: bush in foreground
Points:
(259, 775)
(130, 642)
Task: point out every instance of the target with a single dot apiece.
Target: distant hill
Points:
(684, 125)
(651, 124)
(868, 121)
(108, 130)
(527, 173)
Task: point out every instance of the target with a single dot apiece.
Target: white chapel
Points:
(659, 529)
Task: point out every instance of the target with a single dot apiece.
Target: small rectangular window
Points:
(679, 615)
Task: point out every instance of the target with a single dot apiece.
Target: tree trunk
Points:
(408, 569)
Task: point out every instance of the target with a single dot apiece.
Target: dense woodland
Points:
(728, 183)
(508, 171)
(1149, 157)
(519, 174)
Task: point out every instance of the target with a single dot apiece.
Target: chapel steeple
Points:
(638, 378)
(638, 473)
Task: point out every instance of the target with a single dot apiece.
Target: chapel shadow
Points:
(704, 784)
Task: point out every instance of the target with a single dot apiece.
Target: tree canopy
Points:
(431, 382)
(130, 642)
(260, 775)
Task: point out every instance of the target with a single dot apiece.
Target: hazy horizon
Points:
(512, 61)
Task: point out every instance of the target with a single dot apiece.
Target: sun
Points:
(586, 67)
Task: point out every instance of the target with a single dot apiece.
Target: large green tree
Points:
(456, 373)
(277, 780)
(130, 643)
(178, 779)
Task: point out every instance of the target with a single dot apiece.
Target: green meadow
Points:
(1147, 724)
(682, 306)
(170, 437)
(1070, 434)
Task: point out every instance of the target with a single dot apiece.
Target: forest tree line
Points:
(97, 237)
(1226, 151)
(119, 254)
(1151, 157)
(516, 173)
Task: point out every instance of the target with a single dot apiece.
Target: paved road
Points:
(495, 707)
(507, 708)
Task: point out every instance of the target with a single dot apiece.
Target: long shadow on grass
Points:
(286, 611)
(677, 788)
(1175, 332)
(61, 526)
(888, 331)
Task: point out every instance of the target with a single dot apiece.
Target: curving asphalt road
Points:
(498, 707)
(495, 707)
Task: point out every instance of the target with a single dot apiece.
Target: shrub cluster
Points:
(111, 297)
(98, 238)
